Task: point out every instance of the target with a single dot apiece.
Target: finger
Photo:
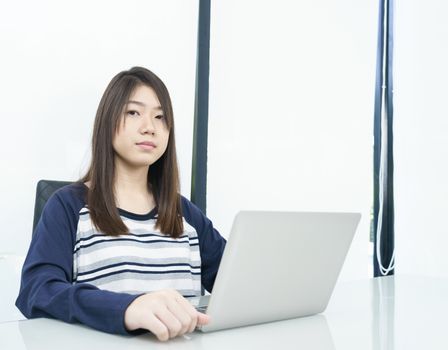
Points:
(203, 319)
(181, 312)
(156, 327)
(187, 305)
(170, 321)
(191, 312)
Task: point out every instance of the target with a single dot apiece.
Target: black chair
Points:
(44, 190)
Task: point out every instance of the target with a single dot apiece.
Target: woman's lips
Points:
(147, 145)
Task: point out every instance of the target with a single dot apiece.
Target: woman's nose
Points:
(147, 126)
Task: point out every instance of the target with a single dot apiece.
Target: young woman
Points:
(121, 249)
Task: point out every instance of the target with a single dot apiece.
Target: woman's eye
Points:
(132, 113)
(160, 116)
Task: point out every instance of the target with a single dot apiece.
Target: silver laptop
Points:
(278, 265)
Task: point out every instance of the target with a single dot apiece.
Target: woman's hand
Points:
(166, 314)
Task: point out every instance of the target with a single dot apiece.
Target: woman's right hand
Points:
(165, 313)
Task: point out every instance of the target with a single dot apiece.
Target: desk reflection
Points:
(302, 333)
(383, 307)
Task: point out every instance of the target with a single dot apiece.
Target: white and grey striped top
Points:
(142, 261)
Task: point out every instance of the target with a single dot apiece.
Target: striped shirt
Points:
(74, 273)
(144, 260)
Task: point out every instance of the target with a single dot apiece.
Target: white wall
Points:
(57, 59)
(291, 100)
(421, 141)
(291, 111)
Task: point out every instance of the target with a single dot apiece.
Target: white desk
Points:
(401, 312)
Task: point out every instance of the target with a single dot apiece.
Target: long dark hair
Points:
(163, 177)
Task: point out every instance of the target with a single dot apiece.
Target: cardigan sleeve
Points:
(211, 243)
(46, 284)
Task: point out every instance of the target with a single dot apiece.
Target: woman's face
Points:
(142, 135)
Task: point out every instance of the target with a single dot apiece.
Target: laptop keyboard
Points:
(200, 303)
(202, 308)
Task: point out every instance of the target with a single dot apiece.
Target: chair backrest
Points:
(44, 190)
